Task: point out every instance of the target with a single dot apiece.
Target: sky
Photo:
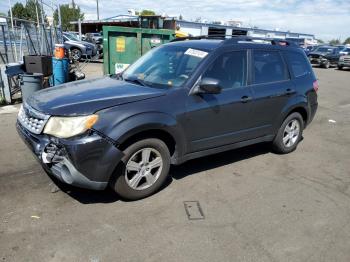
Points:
(327, 19)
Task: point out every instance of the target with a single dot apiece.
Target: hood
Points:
(84, 43)
(88, 96)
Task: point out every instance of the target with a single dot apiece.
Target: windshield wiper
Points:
(135, 80)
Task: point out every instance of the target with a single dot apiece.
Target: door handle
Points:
(290, 91)
(245, 99)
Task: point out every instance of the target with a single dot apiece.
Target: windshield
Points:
(166, 66)
(324, 49)
(71, 37)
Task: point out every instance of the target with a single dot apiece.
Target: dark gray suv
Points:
(180, 101)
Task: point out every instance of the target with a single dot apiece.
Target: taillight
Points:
(315, 85)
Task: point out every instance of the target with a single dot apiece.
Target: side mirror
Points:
(208, 85)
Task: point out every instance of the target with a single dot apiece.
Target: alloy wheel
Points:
(143, 168)
(76, 54)
(291, 133)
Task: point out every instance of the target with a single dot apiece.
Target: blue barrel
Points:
(60, 68)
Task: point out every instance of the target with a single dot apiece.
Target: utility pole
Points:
(37, 14)
(13, 30)
(98, 11)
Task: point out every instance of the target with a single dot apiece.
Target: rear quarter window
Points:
(299, 64)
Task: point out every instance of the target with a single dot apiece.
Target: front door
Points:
(219, 119)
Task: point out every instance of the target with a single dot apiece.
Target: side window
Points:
(230, 69)
(299, 64)
(268, 66)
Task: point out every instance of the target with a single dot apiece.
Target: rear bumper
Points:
(86, 162)
(313, 109)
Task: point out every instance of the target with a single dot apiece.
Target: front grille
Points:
(347, 59)
(33, 120)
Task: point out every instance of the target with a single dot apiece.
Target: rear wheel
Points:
(289, 134)
(143, 169)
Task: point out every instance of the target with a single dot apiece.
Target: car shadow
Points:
(213, 161)
(191, 167)
(85, 196)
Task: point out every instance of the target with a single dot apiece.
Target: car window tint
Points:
(299, 64)
(268, 67)
(229, 69)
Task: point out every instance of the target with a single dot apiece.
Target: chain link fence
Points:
(23, 38)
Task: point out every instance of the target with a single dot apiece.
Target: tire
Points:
(130, 184)
(76, 54)
(281, 144)
(327, 65)
(340, 67)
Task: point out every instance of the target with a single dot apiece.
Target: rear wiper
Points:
(135, 80)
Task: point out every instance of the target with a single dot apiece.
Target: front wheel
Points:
(143, 169)
(340, 67)
(76, 54)
(289, 134)
(327, 65)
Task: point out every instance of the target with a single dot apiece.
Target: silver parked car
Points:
(79, 49)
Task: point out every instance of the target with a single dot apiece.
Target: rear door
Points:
(271, 86)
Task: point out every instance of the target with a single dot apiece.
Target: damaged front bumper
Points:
(86, 161)
(318, 61)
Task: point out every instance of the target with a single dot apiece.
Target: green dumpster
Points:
(123, 45)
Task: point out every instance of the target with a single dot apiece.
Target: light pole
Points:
(98, 11)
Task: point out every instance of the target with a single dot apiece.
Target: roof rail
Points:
(272, 41)
(229, 39)
(220, 37)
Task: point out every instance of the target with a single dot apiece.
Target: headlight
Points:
(64, 127)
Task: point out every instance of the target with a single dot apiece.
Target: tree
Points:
(68, 14)
(147, 12)
(347, 41)
(181, 17)
(28, 11)
(18, 11)
(334, 42)
(31, 7)
(320, 41)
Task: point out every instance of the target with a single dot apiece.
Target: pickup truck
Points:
(344, 61)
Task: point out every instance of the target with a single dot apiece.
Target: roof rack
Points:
(229, 39)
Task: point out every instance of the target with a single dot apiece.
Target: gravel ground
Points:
(256, 205)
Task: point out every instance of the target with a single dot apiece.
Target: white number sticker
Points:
(196, 53)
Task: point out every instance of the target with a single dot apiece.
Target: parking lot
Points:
(254, 205)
